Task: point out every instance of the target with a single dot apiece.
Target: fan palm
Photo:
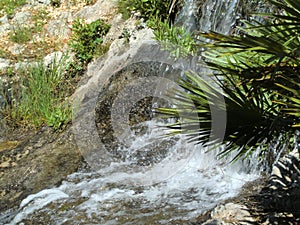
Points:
(257, 73)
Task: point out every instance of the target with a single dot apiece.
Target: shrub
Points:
(87, 39)
(164, 9)
(21, 35)
(256, 80)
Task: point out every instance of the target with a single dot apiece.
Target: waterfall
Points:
(218, 15)
(192, 183)
(215, 15)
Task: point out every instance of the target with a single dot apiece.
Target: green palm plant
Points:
(257, 74)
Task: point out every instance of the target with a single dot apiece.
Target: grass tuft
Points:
(40, 98)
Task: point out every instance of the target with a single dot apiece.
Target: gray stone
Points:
(101, 9)
(214, 222)
(232, 213)
(20, 65)
(21, 18)
(4, 63)
(5, 28)
(54, 57)
(3, 19)
(59, 27)
(16, 49)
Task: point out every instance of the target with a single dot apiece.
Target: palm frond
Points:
(257, 75)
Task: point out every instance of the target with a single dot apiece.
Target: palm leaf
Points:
(258, 76)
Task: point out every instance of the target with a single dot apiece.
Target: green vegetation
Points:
(39, 94)
(9, 6)
(41, 99)
(258, 76)
(176, 40)
(87, 40)
(21, 35)
(163, 9)
(160, 15)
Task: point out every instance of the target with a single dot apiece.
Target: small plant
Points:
(87, 39)
(21, 35)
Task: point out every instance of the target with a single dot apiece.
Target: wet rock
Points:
(35, 164)
(232, 213)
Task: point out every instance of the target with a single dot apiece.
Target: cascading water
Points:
(112, 196)
(115, 196)
(218, 15)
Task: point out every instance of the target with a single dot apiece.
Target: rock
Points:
(283, 189)
(232, 213)
(16, 49)
(4, 19)
(20, 65)
(59, 27)
(21, 18)
(4, 28)
(37, 2)
(102, 9)
(214, 222)
(31, 167)
(54, 57)
(4, 63)
(123, 64)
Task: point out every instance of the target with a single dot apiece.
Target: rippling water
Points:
(129, 192)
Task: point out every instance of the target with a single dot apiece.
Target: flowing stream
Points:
(113, 196)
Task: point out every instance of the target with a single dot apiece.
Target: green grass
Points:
(21, 35)
(9, 6)
(40, 98)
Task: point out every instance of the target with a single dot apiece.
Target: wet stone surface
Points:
(29, 166)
